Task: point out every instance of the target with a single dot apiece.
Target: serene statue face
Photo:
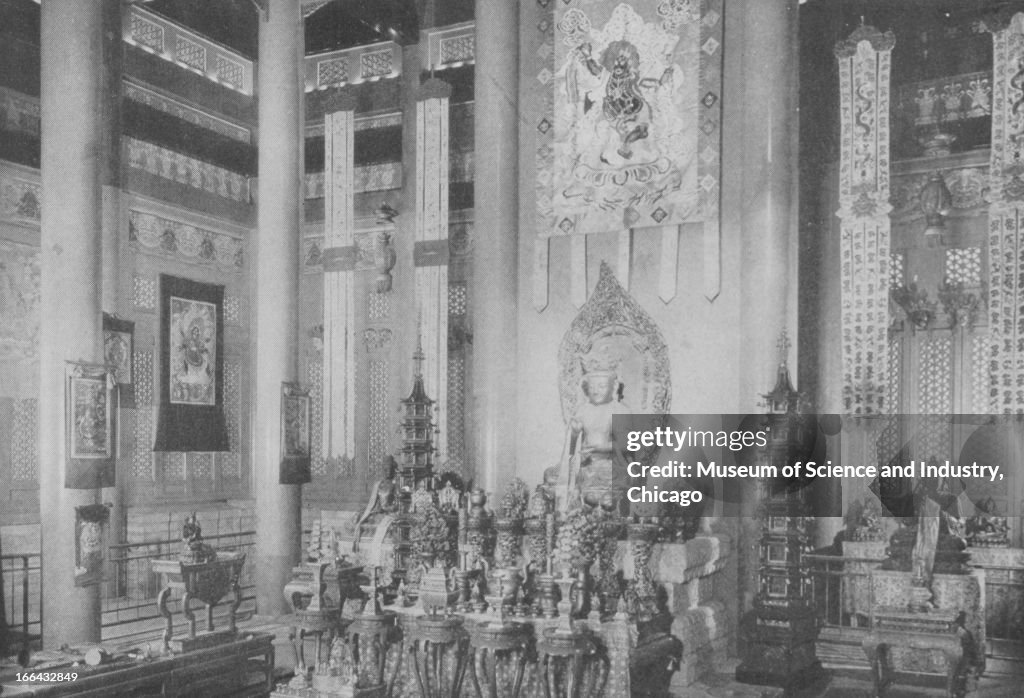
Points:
(600, 388)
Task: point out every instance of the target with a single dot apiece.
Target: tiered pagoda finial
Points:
(783, 398)
(418, 356)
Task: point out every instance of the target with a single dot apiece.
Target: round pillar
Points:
(494, 286)
(766, 34)
(276, 290)
(71, 280)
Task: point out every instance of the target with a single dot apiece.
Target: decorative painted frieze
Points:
(380, 177)
(362, 123)
(968, 185)
(168, 105)
(19, 113)
(186, 170)
(157, 235)
(20, 197)
(19, 302)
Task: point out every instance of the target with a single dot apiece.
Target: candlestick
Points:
(549, 548)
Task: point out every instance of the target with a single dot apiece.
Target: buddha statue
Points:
(590, 448)
(383, 499)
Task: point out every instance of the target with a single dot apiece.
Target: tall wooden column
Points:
(768, 132)
(275, 338)
(494, 292)
(110, 184)
(70, 319)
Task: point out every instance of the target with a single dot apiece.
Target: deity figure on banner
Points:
(625, 141)
(625, 109)
(589, 454)
(193, 352)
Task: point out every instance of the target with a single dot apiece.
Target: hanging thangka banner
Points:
(91, 522)
(191, 416)
(90, 427)
(1006, 220)
(295, 447)
(631, 138)
(118, 348)
(865, 60)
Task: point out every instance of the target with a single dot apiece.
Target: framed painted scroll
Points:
(89, 428)
(191, 416)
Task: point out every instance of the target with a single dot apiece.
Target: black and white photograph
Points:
(512, 348)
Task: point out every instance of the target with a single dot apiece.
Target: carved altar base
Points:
(914, 643)
(208, 582)
(699, 578)
(907, 642)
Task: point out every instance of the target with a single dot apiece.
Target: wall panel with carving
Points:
(157, 238)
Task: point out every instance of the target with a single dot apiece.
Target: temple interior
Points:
(323, 324)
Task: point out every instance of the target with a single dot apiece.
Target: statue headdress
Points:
(600, 363)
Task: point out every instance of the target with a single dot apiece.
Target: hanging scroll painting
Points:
(625, 150)
(295, 450)
(191, 416)
(194, 350)
(628, 132)
(90, 543)
(89, 430)
(118, 346)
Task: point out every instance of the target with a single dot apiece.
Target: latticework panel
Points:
(24, 440)
(981, 378)
(375, 64)
(172, 465)
(332, 72)
(935, 397)
(190, 53)
(935, 387)
(200, 466)
(146, 33)
(379, 442)
(896, 265)
(231, 462)
(233, 401)
(142, 458)
(458, 48)
(457, 412)
(888, 442)
(378, 306)
(144, 292)
(232, 310)
(895, 397)
(230, 72)
(314, 377)
(963, 265)
(457, 299)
